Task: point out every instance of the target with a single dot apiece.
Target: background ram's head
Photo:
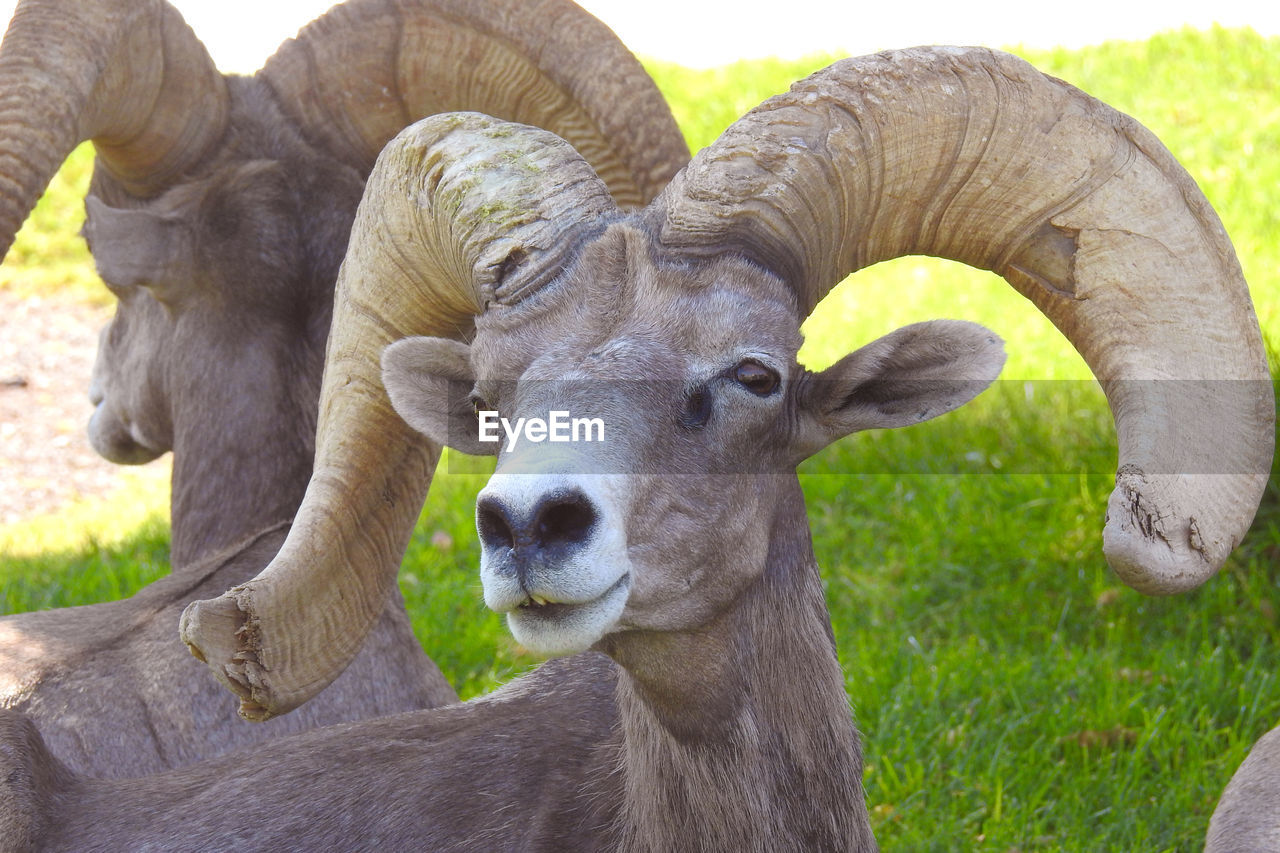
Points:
(220, 206)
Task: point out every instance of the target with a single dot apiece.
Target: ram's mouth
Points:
(547, 608)
(117, 442)
(544, 609)
(552, 627)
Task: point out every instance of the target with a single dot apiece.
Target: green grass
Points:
(1013, 694)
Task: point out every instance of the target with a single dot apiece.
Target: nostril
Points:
(558, 522)
(565, 520)
(493, 525)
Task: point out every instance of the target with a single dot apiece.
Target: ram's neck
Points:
(742, 735)
(243, 449)
(242, 456)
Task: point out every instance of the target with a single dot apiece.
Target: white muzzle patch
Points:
(554, 557)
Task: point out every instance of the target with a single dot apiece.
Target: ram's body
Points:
(218, 214)
(116, 695)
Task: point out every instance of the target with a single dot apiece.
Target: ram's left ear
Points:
(909, 376)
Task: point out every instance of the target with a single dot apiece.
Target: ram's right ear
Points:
(429, 381)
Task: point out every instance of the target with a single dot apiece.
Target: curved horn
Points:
(354, 77)
(462, 213)
(129, 75)
(973, 155)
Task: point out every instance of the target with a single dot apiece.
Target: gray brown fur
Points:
(1247, 817)
(67, 670)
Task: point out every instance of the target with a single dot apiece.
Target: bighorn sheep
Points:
(702, 589)
(219, 210)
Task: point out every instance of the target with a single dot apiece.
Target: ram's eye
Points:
(756, 378)
(478, 404)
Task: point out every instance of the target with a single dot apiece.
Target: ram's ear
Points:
(429, 381)
(907, 377)
(146, 248)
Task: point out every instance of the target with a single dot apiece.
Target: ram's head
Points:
(683, 319)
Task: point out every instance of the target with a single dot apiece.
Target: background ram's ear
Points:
(429, 381)
(907, 377)
(138, 247)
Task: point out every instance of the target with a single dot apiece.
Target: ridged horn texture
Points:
(461, 214)
(973, 155)
(354, 77)
(128, 74)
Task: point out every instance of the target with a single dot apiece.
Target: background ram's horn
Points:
(355, 77)
(127, 74)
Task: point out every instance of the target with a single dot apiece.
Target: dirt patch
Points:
(47, 347)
